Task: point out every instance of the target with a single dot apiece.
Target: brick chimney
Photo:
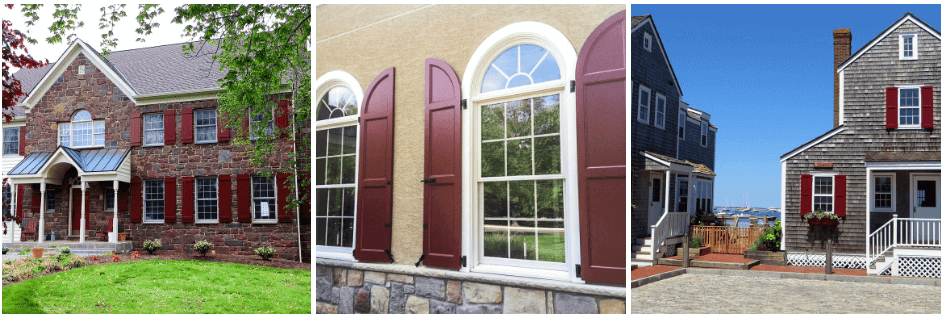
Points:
(841, 53)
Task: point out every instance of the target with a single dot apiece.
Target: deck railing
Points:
(671, 224)
(722, 239)
(906, 232)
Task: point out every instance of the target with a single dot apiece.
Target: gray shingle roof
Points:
(699, 168)
(637, 19)
(696, 116)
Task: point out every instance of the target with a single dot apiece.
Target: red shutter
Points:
(245, 198)
(170, 200)
(374, 216)
(601, 128)
(892, 107)
(806, 187)
(225, 199)
(122, 199)
(442, 235)
(840, 195)
(222, 131)
(20, 191)
(136, 129)
(186, 215)
(187, 128)
(926, 114)
(170, 127)
(22, 149)
(284, 189)
(35, 198)
(136, 196)
(283, 119)
(245, 128)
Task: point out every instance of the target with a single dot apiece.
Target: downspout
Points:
(294, 147)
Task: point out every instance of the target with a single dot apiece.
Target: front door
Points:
(76, 210)
(656, 198)
(925, 203)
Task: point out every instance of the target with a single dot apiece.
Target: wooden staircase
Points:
(643, 254)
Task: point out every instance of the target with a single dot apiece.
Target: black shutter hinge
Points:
(420, 260)
(425, 225)
(572, 86)
(464, 261)
(388, 253)
(578, 270)
(430, 180)
(387, 225)
(464, 104)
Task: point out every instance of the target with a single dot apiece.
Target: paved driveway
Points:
(712, 294)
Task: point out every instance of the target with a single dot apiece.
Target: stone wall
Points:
(345, 291)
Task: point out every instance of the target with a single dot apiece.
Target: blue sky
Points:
(765, 75)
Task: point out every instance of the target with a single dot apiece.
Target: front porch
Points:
(78, 248)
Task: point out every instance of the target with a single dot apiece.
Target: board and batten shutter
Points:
(892, 107)
(222, 129)
(601, 122)
(244, 191)
(926, 114)
(135, 129)
(442, 229)
(186, 214)
(806, 189)
(136, 200)
(170, 200)
(840, 195)
(22, 141)
(20, 191)
(283, 117)
(170, 127)
(374, 200)
(225, 199)
(284, 189)
(35, 199)
(187, 128)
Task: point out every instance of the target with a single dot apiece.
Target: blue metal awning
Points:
(88, 160)
(31, 163)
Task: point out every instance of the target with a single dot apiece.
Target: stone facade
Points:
(95, 93)
(381, 293)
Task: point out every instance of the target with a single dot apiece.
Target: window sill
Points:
(206, 142)
(264, 221)
(882, 210)
(152, 145)
(154, 222)
(913, 127)
(206, 222)
(335, 256)
(908, 58)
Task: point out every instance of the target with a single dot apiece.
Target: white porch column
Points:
(667, 190)
(42, 212)
(82, 219)
(12, 211)
(114, 224)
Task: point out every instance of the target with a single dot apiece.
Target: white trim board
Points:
(908, 17)
(809, 145)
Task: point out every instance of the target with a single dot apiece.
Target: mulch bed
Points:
(644, 272)
(815, 270)
(719, 257)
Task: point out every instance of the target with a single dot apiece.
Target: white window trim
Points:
(18, 153)
(196, 201)
(144, 202)
(648, 39)
(511, 35)
(833, 189)
(71, 127)
(196, 127)
(647, 110)
(657, 99)
(144, 126)
(899, 107)
(873, 192)
(329, 81)
(915, 37)
(678, 187)
(274, 183)
(704, 134)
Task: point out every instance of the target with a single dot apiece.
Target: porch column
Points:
(114, 223)
(42, 212)
(82, 218)
(12, 211)
(667, 190)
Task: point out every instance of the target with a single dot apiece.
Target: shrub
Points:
(65, 250)
(266, 252)
(152, 246)
(5, 249)
(697, 241)
(202, 247)
(93, 258)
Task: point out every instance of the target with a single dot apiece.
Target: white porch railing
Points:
(671, 224)
(907, 232)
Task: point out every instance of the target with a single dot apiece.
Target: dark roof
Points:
(637, 19)
(862, 48)
(31, 163)
(811, 141)
(699, 168)
(696, 116)
(89, 160)
(902, 156)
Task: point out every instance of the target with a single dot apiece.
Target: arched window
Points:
(82, 131)
(523, 194)
(336, 156)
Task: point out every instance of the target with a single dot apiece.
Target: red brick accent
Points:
(842, 39)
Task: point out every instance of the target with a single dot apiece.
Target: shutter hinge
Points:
(425, 225)
(464, 104)
(388, 253)
(572, 86)
(387, 225)
(578, 270)
(421, 258)
(464, 261)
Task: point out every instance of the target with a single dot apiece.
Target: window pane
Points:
(321, 231)
(495, 239)
(82, 116)
(520, 157)
(349, 198)
(350, 140)
(323, 196)
(334, 141)
(549, 197)
(519, 66)
(492, 121)
(321, 167)
(522, 199)
(348, 169)
(338, 102)
(99, 127)
(523, 240)
(334, 231)
(321, 145)
(347, 238)
(518, 118)
(333, 170)
(492, 159)
(263, 193)
(552, 241)
(926, 193)
(822, 185)
(546, 114)
(547, 155)
(335, 208)
(495, 199)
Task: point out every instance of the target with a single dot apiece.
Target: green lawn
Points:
(166, 287)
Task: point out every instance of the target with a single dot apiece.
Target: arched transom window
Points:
(82, 131)
(338, 102)
(519, 66)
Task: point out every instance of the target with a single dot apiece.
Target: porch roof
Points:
(902, 156)
(87, 160)
(673, 163)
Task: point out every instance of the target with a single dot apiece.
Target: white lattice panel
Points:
(819, 260)
(920, 267)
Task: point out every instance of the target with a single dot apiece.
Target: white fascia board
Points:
(63, 63)
(903, 165)
(172, 93)
(885, 34)
(640, 24)
(805, 147)
(840, 98)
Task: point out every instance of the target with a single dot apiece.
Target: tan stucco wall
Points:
(448, 32)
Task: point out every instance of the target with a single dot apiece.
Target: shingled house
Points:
(878, 168)
(133, 144)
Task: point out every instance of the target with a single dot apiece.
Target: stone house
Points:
(877, 169)
(471, 160)
(673, 150)
(134, 142)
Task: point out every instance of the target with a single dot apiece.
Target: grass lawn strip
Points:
(164, 286)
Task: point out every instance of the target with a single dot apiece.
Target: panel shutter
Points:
(225, 199)
(122, 198)
(927, 114)
(170, 200)
(135, 129)
(892, 107)
(840, 195)
(284, 189)
(20, 191)
(186, 215)
(806, 189)
(35, 199)
(283, 119)
(170, 127)
(187, 128)
(245, 198)
(601, 122)
(136, 200)
(222, 130)
(442, 232)
(374, 200)
(22, 149)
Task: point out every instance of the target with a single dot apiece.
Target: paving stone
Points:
(340, 277)
(379, 300)
(361, 303)
(324, 308)
(323, 288)
(439, 307)
(417, 305)
(523, 301)
(479, 309)
(354, 278)
(611, 306)
(482, 293)
(374, 277)
(575, 304)
(346, 300)
(453, 291)
(400, 278)
(430, 287)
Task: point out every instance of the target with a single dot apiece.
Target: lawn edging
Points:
(657, 277)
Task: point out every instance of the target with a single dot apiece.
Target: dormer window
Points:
(703, 132)
(908, 43)
(647, 41)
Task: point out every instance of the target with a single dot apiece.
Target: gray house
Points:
(878, 167)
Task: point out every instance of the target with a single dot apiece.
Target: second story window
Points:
(703, 132)
(908, 46)
(153, 129)
(909, 107)
(205, 126)
(647, 41)
(259, 121)
(11, 141)
(681, 123)
(660, 111)
(82, 131)
(644, 101)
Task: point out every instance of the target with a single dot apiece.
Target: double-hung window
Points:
(644, 104)
(206, 200)
(263, 197)
(260, 122)
(823, 193)
(82, 131)
(205, 126)
(11, 141)
(704, 129)
(681, 124)
(647, 41)
(7, 200)
(909, 107)
(908, 46)
(336, 159)
(682, 193)
(109, 199)
(884, 192)
(153, 201)
(660, 110)
(50, 201)
(154, 129)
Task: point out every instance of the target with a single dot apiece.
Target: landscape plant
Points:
(5, 249)
(266, 252)
(24, 252)
(202, 247)
(65, 250)
(152, 245)
(696, 242)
